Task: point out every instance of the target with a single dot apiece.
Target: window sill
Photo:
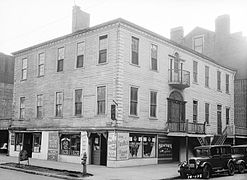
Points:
(40, 76)
(207, 87)
(153, 70)
(219, 90)
(78, 68)
(228, 93)
(134, 116)
(153, 118)
(101, 64)
(195, 83)
(101, 115)
(78, 116)
(22, 80)
(58, 117)
(135, 65)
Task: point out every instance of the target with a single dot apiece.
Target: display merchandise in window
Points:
(135, 146)
(148, 146)
(70, 144)
(36, 142)
(18, 141)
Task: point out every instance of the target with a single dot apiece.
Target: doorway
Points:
(98, 148)
(28, 143)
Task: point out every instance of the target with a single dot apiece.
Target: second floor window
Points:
(41, 66)
(207, 113)
(39, 106)
(195, 109)
(80, 54)
(153, 104)
(218, 80)
(206, 76)
(154, 54)
(101, 99)
(78, 102)
(133, 101)
(24, 69)
(60, 59)
(22, 107)
(227, 83)
(103, 43)
(195, 71)
(198, 44)
(135, 51)
(227, 115)
(59, 104)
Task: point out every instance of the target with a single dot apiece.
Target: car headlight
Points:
(182, 164)
(198, 162)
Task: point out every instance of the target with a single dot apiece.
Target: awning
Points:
(181, 134)
(242, 137)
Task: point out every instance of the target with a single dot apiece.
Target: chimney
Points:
(177, 34)
(80, 19)
(222, 25)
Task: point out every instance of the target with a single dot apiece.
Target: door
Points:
(28, 143)
(99, 149)
(219, 121)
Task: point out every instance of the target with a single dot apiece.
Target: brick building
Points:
(6, 98)
(64, 89)
(228, 49)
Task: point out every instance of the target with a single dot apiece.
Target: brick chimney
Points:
(177, 34)
(222, 25)
(80, 19)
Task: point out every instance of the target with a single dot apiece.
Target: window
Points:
(195, 106)
(227, 83)
(39, 106)
(198, 44)
(24, 69)
(80, 54)
(41, 66)
(227, 115)
(22, 107)
(70, 144)
(206, 76)
(133, 101)
(148, 146)
(60, 59)
(78, 102)
(207, 113)
(153, 103)
(101, 99)
(135, 146)
(154, 54)
(103, 49)
(59, 104)
(18, 141)
(218, 80)
(36, 142)
(195, 71)
(135, 51)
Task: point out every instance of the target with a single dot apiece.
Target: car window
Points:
(215, 151)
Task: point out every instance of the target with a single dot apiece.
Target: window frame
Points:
(24, 69)
(207, 76)
(79, 102)
(69, 150)
(132, 51)
(154, 59)
(134, 101)
(80, 54)
(60, 60)
(103, 100)
(39, 135)
(22, 107)
(41, 64)
(17, 134)
(39, 106)
(59, 105)
(227, 83)
(227, 115)
(195, 111)
(201, 46)
(153, 104)
(218, 80)
(195, 72)
(105, 50)
(207, 112)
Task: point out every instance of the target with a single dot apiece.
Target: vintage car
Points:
(208, 160)
(239, 155)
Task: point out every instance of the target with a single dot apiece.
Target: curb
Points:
(175, 177)
(40, 173)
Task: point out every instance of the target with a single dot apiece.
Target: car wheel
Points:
(206, 172)
(231, 169)
(241, 168)
(183, 175)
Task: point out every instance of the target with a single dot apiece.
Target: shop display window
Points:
(18, 141)
(36, 142)
(70, 144)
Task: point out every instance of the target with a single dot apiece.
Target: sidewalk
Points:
(149, 172)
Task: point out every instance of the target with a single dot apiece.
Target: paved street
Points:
(13, 175)
(226, 177)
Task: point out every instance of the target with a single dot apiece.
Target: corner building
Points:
(64, 89)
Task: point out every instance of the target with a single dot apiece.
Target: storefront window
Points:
(165, 149)
(18, 141)
(70, 144)
(36, 142)
(135, 146)
(148, 146)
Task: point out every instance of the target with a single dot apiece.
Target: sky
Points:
(25, 23)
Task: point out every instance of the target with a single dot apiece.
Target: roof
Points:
(123, 21)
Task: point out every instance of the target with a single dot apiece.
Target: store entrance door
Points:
(99, 148)
(28, 143)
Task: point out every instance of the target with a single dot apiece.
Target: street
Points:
(13, 175)
(225, 177)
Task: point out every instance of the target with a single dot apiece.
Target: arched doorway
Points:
(176, 107)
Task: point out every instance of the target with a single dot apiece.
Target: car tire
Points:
(206, 172)
(183, 175)
(231, 169)
(241, 168)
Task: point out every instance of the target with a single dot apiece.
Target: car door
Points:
(216, 158)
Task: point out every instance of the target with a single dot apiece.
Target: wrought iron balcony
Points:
(191, 128)
(179, 79)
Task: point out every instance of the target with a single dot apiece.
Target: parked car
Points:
(239, 155)
(208, 160)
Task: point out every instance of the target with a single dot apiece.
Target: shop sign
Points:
(112, 146)
(164, 148)
(53, 146)
(84, 141)
(52, 155)
(123, 146)
(12, 139)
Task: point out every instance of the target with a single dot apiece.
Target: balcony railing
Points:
(192, 128)
(179, 78)
(240, 131)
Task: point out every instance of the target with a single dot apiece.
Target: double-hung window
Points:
(59, 104)
(207, 113)
(153, 104)
(135, 51)
(22, 107)
(78, 102)
(198, 44)
(80, 54)
(206, 76)
(227, 83)
(195, 71)
(101, 100)
(133, 101)
(227, 115)
(154, 54)
(195, 111)
(60, 59)
(39, 106)
(24, 69)
(103, 43)
(218, 80)
(41, 66)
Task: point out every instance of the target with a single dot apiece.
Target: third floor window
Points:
(103, 43)
(206, 76)
(135, 51)
(218, 80)
(60, 59)
(78, 102)
(195, 71)
(80, 54)
(39, 106)
(41, 66)
(59, 104)
(154, 54)
(227, 83)
(24, 69)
